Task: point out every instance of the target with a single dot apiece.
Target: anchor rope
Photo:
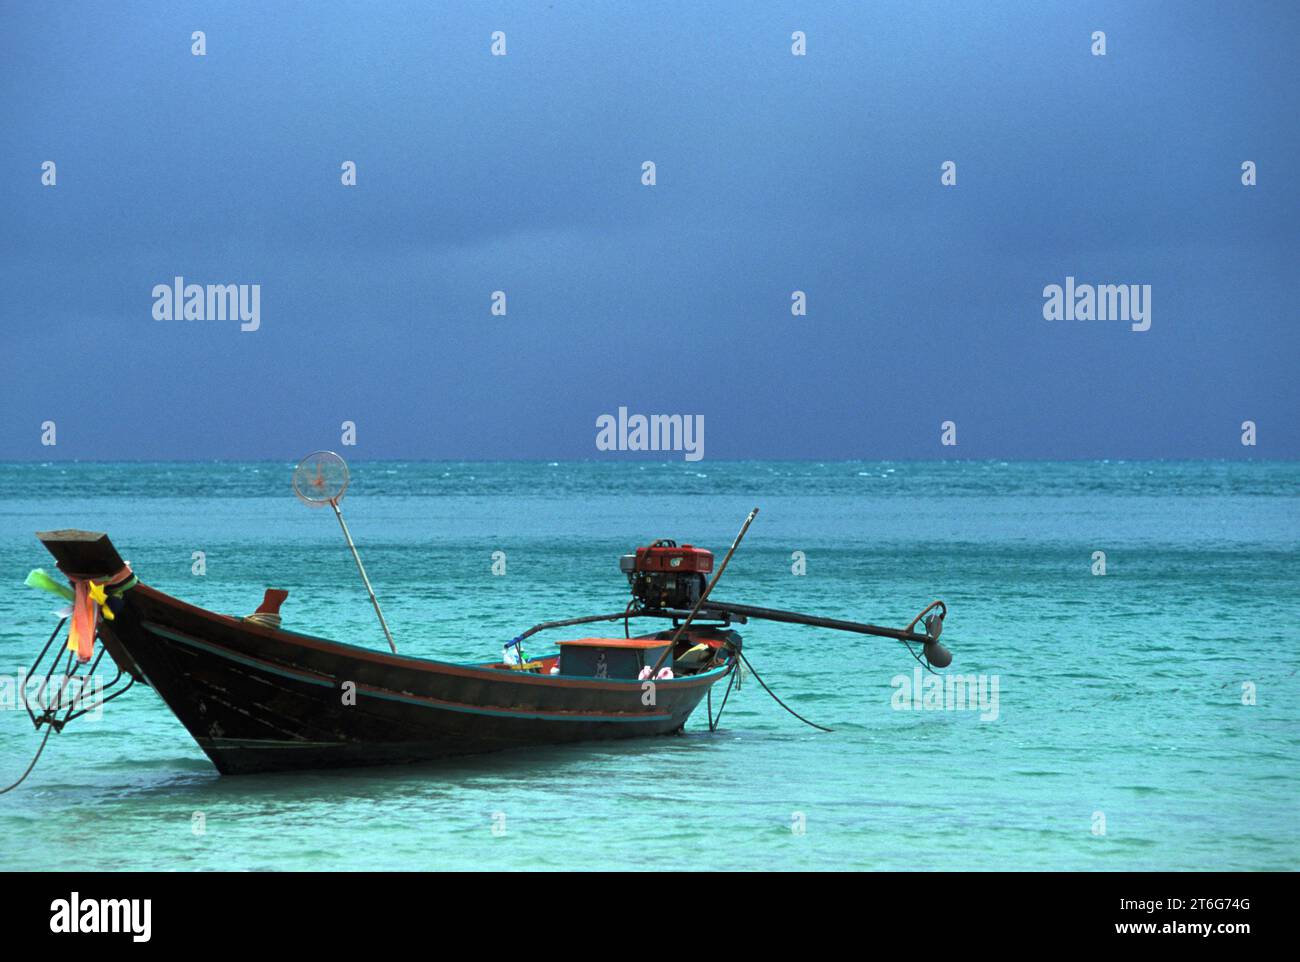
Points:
(35, 758)
(713, 722)
(759, 679)
(47, 716)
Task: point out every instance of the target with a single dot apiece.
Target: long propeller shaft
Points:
(816, 621)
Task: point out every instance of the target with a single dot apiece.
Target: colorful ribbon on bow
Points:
(89, 598)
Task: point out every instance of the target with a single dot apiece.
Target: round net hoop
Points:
(320, 478)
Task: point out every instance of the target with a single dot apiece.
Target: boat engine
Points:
(665, 574)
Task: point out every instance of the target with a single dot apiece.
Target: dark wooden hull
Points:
(259, 699)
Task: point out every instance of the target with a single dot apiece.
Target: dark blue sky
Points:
(775, 173)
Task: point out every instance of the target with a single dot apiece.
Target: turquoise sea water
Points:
(1119, 696)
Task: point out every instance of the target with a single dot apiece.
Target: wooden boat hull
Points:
(258, 699)
(261, 699)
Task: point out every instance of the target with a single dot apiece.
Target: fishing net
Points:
(320, 478)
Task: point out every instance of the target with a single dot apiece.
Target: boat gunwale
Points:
(375, 691)
(416, 663)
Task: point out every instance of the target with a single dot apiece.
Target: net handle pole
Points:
(361, 568)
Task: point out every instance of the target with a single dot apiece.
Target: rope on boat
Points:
(49, 717)
(54, 634)
(35, 758)
(775, 698)
(713, 722)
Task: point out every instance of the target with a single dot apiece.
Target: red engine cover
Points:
(671, 557)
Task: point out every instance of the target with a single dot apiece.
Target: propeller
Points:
(935, 653)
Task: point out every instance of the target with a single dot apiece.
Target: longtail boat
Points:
(258, 697)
